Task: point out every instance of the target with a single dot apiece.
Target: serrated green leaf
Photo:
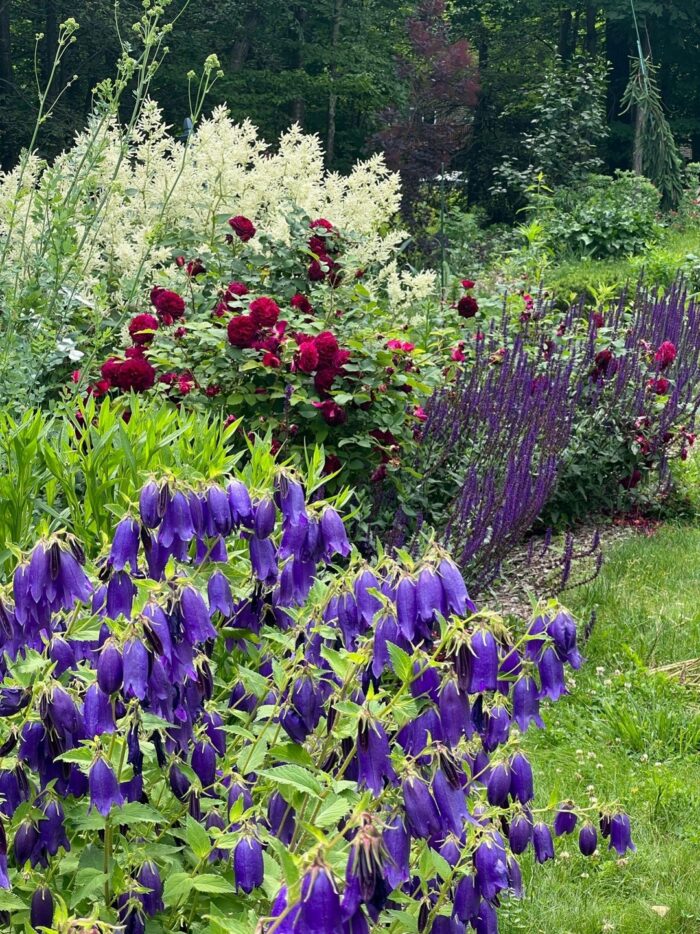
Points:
(295, 776)
(214, 885)
(197, 838)
(176, 887)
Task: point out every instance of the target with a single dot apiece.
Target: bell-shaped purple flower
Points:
(149, 877)
(62, 655)
(455, 715)
(125, 545)
(41, 909)
(367, 604)
(152, 503)
(536, 638)
(397, 845)
(521, 780)
(498, 785)
(562, 631)
(520, 833)
(466, 898)
(551, 672)
(486, 921)
(588, 839)
(195, 617)
(451, 800)
(621, 834)
(320, 904)
(497, 730)
(281, 818)
(219, 593)
(542, 842)
(264, 519)
(240, 503)
(26, 837)
(406, 609)
(287, 917)
(515, 878)
(104, 787)
(373, 756)
(219, 518)
(263, 559)
(52, 830)
(98, 716)
(564, 820)
(429, 596)
(484, 664)
(136, 665)
(248, 864)
(177, 523)
(110, 668)
(526, 703)
(290, 499)
(454, 589)
(204, 763)
(120, 595)
(491, 867)
(422, 817)
(335, 539)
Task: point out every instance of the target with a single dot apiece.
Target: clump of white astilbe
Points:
(405, 289)
(129, 196)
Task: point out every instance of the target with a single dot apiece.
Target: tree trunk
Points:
(565, 24)
(591, 44)
(240, 50)
(637, 153)
(332, 96)
(6, 71)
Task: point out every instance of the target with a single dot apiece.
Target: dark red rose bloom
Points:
(212, 390)
(332, 413)
(318, 246)
(169, 305)
(468, 283)
(384, 437)
(327, 346)
(264, 311)
(597, 319)
(302, 303)
(100, 388)
(322, 223)
(332, 464)
(110, 368)
(660, 385)
(221, 309)
(142, 327)
(135, 374)
(629, 483)
(665, 355)
(235, 289)
(186, 383)
(307, 357)
(133, 353)
(271, 360)
(180, 261)
(323, 380)
(340, 358)
(168, 379)
(243, 228)
(467, 306)
(241, 331)
(195, 268)
(270, 343)
(316, 272)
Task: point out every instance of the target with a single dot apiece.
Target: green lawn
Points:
(629, 736)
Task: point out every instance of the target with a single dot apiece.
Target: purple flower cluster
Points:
(402, 701)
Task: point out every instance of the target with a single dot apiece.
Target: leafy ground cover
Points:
(627, 733)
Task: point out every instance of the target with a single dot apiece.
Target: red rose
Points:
(308, 357)
(467, 306)
(665, 355)
(241, 330)
(271, 360)
(597, 319)
(212, 390)
(323, 380)
(195, 268)
(110, 368)
(302, 303)
(326, 345)
(332, 413)
(322, 223)
(264, 312)
(468, 284)
(318, 246)
(629, 483)
(100, 388)
(660, 385)
(316, 272)
(332, 464)
(169, 305)
(235, 290)
(340, 358)
(243, 228)
(221, 309)
(141, 328)
(135, 374)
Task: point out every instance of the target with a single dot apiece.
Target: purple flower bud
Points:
(177, 522)
(564, 820)
(526, 703)
(536, 641)
(426, 681)
(588, 839)
(125, 545)
(486, 921)
(320, 905)
(120, 595)
(248, 864)
(290, 499)
(149, 878)
(450, 851)
(367, 604)
(52, 831)
(104, 788)
(454, 589)
(521, 781)
(179, 783)
(335, 539)
(62, 712)
(498, 725)
(213, 724)
(406, 609)
(135, 669)
(195, 617)
(397, 844)
(265, 517)
(110, 668)
(428, 595)
(515, 878)
(26, 837)
(466, 898)
(621, 834)
(239, 501)
(542, 842)
(204, 763)
(152, 502)
(519, 833)
(551, 675)
(451, 800)
(281, 818)
(373, 756)
(97, 712)
(62, 654)
(219, 518)
(263, 559)
(498, 785)
(287, 923)
(491, 867)
(422, 815)
(41, 910)
(484, 666)
(454, 713)
(219, 594)
(417, 734)
(562, 630)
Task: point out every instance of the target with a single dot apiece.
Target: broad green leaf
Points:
(295, 776)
